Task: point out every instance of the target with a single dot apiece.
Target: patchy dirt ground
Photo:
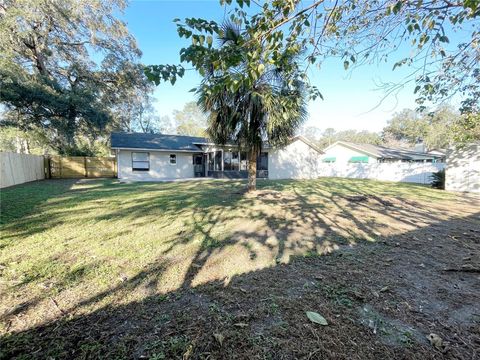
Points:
(387, 272)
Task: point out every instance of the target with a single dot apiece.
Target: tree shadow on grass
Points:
(261, 313)
(256, 233)
(101, 200)
(24, 201)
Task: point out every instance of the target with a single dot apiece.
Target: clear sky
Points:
(352, 99)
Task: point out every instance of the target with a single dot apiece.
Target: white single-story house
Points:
(150, 157)
(462, 172)
(348, 152)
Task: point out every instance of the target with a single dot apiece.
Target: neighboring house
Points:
(440, 152)
(347, 152)
(151, 157)
(462, 172)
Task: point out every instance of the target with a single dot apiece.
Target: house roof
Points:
(308, 142)
(122, 140)
(437, 151)
(382, 152)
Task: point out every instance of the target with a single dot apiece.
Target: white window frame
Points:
(170, 159)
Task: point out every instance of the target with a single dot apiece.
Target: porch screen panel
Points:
(218, 161)
(262, 161)
(243, 161)
(227, 161)
(235, 161)
(211, 161)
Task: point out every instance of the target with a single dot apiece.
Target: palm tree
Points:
(268, 110)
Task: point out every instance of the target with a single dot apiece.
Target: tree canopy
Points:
(437, 39)
(434, 129)
(438, 129)
(67, 68)
(330, 136)
(191, 120)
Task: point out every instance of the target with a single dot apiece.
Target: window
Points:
(329, 159)
(173, 159)
(140, 161)
(358, 159)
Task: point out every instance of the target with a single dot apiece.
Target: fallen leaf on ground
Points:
(187, 355)
(435, 340)
(316, 318)
(219, 337)
(240, 325)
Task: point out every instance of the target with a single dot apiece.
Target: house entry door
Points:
(198, 165)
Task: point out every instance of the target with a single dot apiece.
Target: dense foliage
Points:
(191, 120)
(68, 70)
(434, 129)
(438, 179)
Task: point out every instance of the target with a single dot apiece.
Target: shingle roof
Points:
(156, 141)
(389, 153)
(122, 140)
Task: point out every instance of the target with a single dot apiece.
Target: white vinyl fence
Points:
(20, 168)
(402, 172)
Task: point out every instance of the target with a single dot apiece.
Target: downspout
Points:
(117, 154)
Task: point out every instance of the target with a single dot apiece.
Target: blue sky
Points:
(352, 99)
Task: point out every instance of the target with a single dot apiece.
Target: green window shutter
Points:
(330, 159)
(359, 159)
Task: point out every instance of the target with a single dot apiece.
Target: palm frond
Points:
(231, 34)
(270, 110)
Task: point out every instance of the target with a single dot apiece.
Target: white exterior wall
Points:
(463, 169)
(343, 154)
(160, 167)
(295, 161)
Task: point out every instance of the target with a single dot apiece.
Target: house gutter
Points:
(159, 150)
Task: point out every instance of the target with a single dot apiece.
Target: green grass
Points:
(89, 244)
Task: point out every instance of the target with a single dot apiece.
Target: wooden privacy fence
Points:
(81, 167)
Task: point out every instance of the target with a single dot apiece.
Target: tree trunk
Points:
(27, 146)
(70, 128)
(252, 170)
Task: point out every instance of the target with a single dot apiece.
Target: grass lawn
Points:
(100, 268)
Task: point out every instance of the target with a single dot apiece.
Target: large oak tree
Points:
(67, 68)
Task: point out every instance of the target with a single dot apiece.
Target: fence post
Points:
(47, 167)
(85, 165)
